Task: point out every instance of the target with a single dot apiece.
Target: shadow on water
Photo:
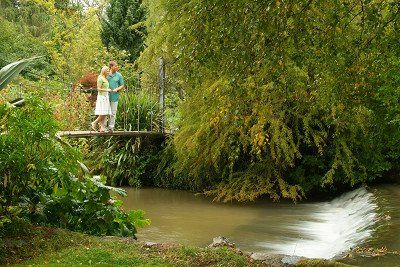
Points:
(323, 229)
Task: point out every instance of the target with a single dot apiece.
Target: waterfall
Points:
(334, 227)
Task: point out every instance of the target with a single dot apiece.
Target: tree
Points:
(282, 98)
(17, 42)
(123, 26)
(28, 16)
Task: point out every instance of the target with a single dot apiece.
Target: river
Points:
(364, 217)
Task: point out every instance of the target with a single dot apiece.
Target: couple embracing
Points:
(109, 83)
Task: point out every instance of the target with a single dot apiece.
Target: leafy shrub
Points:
(299, 96)
(86, 207)
(128, 160)
(16, 43)
(42, 181)
(137, 111)
(125, 160)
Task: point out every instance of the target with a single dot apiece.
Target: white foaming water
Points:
(336, 227)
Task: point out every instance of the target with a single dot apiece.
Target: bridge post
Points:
(162, 94)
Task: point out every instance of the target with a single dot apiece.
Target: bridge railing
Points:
(136, 110)
(74, 105)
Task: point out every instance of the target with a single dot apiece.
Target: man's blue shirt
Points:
(115, 80)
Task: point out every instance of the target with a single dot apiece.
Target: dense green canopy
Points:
(123, 26)
(282, 97)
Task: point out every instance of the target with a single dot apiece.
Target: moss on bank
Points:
(57, 247)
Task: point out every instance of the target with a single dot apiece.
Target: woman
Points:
(102, 103)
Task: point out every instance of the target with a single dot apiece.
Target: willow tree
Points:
(282, 97)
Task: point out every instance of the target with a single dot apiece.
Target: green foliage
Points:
(281, 98)
(70, 36)
(28, 17)
(86, 52)
(9, 72)
(164, 175)
(124, 160)
(123, 26)
(137, 111)
(73, 42)
(16, 43)
(86, 207)
(42, 181)
(127, 160)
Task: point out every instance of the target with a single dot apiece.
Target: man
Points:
(117, 84)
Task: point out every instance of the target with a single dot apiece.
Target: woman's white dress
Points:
(103, 101)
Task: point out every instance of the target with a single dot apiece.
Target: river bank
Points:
(49, 246)
(183, 225)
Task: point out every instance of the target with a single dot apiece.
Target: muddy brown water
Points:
(366, 217)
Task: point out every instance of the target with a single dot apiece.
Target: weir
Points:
(335, 227)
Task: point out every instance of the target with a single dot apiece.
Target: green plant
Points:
(281, 98)
(137, 111)
(9, 72)
(125, 160)
(123, 26)
(86, 206)
(42, 181)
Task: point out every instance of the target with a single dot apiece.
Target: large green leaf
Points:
(12, 70)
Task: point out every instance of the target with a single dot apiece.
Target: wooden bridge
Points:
(84, 134)
(162, 134)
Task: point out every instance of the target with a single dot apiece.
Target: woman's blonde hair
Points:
(104, 69)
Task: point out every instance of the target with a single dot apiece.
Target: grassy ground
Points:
(56, 247)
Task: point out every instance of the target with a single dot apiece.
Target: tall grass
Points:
(137, 111)
(127, 160)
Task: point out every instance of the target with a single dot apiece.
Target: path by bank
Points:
(42, 246)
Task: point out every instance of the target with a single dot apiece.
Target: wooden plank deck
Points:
(79, 134)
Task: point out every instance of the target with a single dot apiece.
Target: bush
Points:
(300, 97)
(43, 183)
(125, 160)
(137, 111)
